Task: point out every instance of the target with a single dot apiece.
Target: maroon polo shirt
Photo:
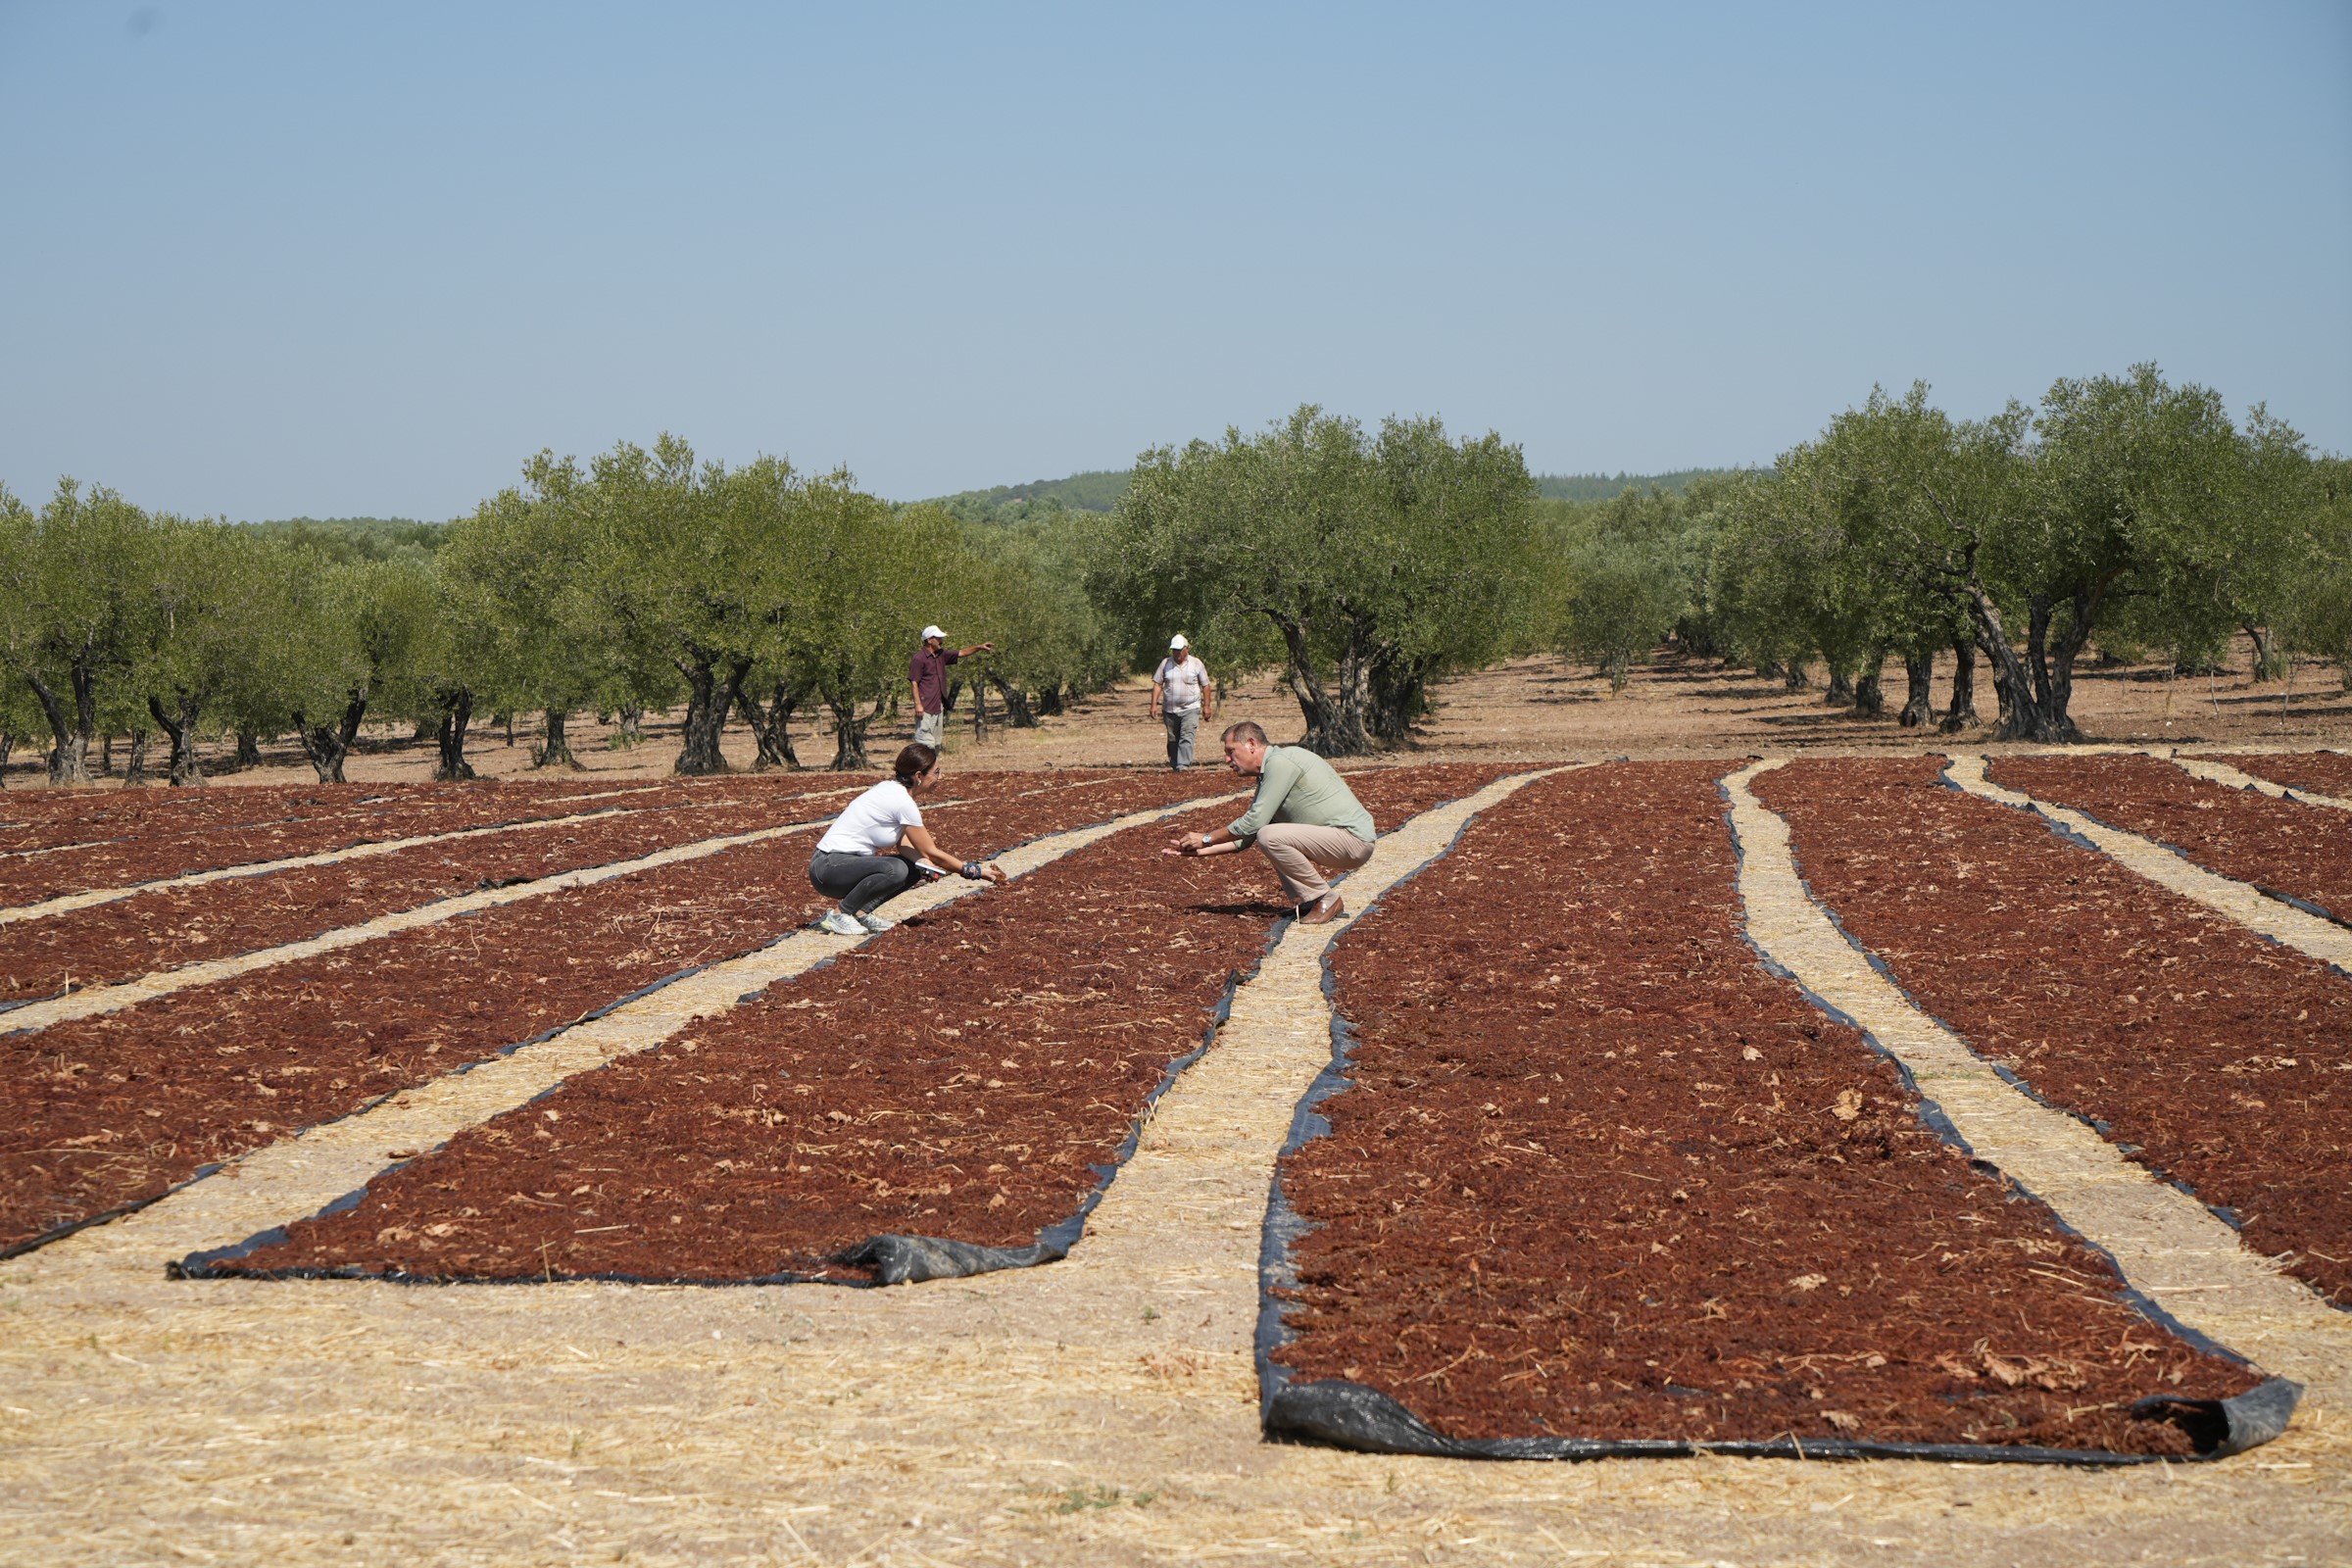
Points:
(929, 672)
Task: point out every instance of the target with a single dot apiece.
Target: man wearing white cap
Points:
(1181, 697)
(927, 673)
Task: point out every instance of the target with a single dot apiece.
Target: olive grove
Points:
(2120, 513)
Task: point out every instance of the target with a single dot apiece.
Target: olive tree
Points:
(2314, 615)
(516, 575)
(358, 633)
(673, 552)
(74, 604)
(1375, 564)
(1022, 586)
(862, 581)
(211, 632)
(1619, 579)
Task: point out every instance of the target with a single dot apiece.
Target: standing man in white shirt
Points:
(1181, 697)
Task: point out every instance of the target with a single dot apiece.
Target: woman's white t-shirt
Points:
(871, 824)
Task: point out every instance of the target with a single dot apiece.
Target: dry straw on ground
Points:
(148, 987)
(91, 898)
(2205, 767)
(300, 1175)
(2249, 906)
(1099, 1410)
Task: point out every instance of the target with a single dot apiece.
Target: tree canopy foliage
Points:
(1362, 564)
(2123, 507)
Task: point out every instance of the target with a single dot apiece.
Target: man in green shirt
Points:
(1305, 819)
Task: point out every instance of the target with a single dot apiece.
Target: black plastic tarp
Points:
(1347, 1414)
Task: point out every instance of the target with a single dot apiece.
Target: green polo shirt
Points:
(1298, 786)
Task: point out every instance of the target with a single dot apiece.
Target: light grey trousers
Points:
(1183, 725)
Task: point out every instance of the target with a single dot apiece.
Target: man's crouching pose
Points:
(1304, 819)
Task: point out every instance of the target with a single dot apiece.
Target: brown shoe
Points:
(1323, 913)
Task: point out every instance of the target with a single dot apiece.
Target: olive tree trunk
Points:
(555, 749)
(1399, 697)
(712, 685)
(2269, 662)
(1334, 714)
(70, 756)
(178, 724)
(324, 748)
(2039, 688)
(327, 746)
(449, 735)
(1961, 712)
(1918, 701)
(1870, 692)
(1017, 711)
(849, 734)
(2029, 710)
(771, 730)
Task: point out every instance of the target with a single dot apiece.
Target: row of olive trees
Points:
(641, 580)
(2123, 508)
(754, 592)
(117, 622)
(1363, 566)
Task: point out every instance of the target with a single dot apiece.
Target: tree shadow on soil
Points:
(1755, 694)
(1842, 718)
(2332, 705)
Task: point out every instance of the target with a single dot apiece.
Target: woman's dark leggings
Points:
(862, 882)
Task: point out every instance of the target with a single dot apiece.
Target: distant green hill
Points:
(1608, 486)
(1095, 490)
(1099, 489)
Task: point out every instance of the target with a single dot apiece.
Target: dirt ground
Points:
(1099, 1410)
(1530, 709)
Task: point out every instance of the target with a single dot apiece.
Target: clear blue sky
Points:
(263, 259)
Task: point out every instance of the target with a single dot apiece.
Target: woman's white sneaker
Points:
(841, 924)
(877, 924)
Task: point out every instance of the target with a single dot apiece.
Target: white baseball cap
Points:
(1177, 641)
(930, 632)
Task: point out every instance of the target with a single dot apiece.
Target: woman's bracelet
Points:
(973, 871)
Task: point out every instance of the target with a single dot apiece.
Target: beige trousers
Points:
(1302, 854)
